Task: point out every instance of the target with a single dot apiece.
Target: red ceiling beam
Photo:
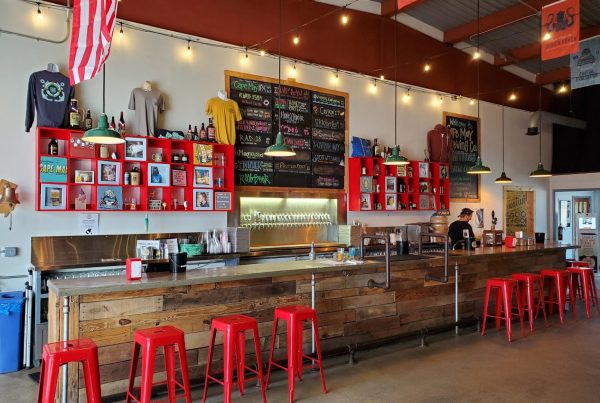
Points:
(388, 8)
(493, 21)
(532, 50)
(553, 76)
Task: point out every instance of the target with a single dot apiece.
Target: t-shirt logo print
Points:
(52, 92)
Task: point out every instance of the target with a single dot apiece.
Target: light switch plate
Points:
(10, 251)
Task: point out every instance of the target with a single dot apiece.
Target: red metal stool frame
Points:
(63, 352)
(504, 290)
(575, 263)
(149, 340)
(294, 316)
(234, 328)
(527, 283)
(560, 280)
(582, 279)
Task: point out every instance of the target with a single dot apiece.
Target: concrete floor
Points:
(555, 364)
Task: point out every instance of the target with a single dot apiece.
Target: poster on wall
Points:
(519, 209)
(464, 131)
(560, 29)
(585, 64)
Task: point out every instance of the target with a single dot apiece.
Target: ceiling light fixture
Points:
(246, 51)
(262, 53)
(279, 149)
(472, 102)
(427, 67)
(121, 31)
(547, 36)
(102, 134)
(382, 77)
(512, 97)
(39, 12)
(503, 178)
(344, 19)
(189, 49)
(396, 158)
(476, 55)
(563, 89)
(296, 40)
(406, 97)
(478, 168)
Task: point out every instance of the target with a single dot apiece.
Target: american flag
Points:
(91, 34)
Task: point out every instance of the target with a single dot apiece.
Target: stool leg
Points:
(240, 354)
(485, 308)
(551, 295)
(572, 301)
(540, 302)
(135, 353)
(320, 358)
(507, 310)
(594, 291)
(170, 369)
(585, 284)
(259, 363)
(92, 378)
(49, 390)
(41, 381)
(148, 360)
(228, 364)
(498, 307)
(299, 341)
(529, 291)
(208, 361)
(561, 293)
(271, 352)
(292, 349)
(185, 377)
(520, 307)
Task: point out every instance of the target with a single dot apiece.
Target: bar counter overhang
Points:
(109, 309)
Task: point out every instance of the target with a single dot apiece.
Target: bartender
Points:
(455, 231)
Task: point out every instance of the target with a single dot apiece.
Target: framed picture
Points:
(109, 173)
(53, 169)
(390, 202)
(423, 170)
(519, 209)
(401, 170)
(424, 202)
(443, 171)
(158, 175)
(365, 201)
(222, 201)
(390, 184)
(53, 197)
(423, 187)
(203, 199)
(84, 176)
(109, 198)
(203, 154)
(465, 135)
(179, 177)
(135, 149)
(203, 177)
(366, 184)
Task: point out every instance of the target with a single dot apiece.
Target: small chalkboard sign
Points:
(222, 201)
(464, 131)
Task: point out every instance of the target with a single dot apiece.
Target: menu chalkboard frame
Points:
(293, 83)
(477, 121)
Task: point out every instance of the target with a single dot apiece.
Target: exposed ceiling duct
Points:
(538, 116)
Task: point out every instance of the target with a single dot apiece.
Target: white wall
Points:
(188, 83)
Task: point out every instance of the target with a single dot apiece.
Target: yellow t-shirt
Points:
(225, 114)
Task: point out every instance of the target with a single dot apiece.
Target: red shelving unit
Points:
(420, 185)
(61, 179)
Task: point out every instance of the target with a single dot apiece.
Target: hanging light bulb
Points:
(472, 102)
(476, 55)
(440, 100)
(503, 178)
(406, 96)
(121, 30)
(373, 88)
(512, 97)
(335, 78)
(246, 53)
(262, 53)
(189, 49)
(547, 36)
(563, 89)
(296, 40)
(382, 77)
(427, 67)
(344, 19)
(40, 16)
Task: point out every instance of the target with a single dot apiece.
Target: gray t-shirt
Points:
(147, 105)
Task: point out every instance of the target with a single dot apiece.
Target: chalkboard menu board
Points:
(464, 131)
(313, 123)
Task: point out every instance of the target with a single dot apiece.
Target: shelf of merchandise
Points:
(77, 162)
(420, 185)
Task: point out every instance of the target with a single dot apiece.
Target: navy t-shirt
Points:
(49, 93)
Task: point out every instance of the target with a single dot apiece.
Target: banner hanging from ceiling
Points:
(585, 64)
(560, 29)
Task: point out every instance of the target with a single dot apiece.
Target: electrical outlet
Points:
(10, 251)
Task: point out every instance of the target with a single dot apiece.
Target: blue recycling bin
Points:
(11, 330)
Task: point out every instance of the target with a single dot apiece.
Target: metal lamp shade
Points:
(279, 149)
(396, 158)
(503, 178)
(540, 172)
(478, 168)
(102, 134)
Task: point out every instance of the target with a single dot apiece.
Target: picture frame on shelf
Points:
(423, 170)
(109, 198)
(53, 197)
(203, 154)
(223, 201)
(178, 177)
(423, 187)
(53, 169)
(443, 172)
(424, 202)
(159, 175)
(401, 170)
(203, 177)
(366, 184)
(81, 200)
(390, 202)
(203, 199)
(82, 176)
(365, 201)
(135, 149)
(390, 184)
(109, 173)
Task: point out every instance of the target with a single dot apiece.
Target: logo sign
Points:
(585, 64)
(560, 29)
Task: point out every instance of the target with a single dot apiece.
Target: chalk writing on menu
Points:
(465, 146)
(313, 123)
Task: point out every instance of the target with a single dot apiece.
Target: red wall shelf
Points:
(58, 184)
(420, 185)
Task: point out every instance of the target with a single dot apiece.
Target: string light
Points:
(39, 12)
(382, 77)
(512, 97)
(472, 102)
(121, 30)
(547, 36)
(296, 40)
(563, 89)
(440, 100)
(246, 53)
(427, 67)
(476, 55)
(262, 53)
(373, 88)
(344, 19)
(189, 49)
(406, 96)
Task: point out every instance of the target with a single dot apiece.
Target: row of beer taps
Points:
(258, 220)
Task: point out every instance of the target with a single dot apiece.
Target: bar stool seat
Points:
(234, 328)
(527, 283)
(149, 340)
(504, 289)
(294, 316)
(560, 281)
(56, 354)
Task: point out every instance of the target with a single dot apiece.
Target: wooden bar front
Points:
(348, 311)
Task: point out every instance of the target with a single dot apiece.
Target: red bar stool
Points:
(63, 352)
(234, 329)
(582, 278)
(149, 340)
(576, 286)
(560, 280)
(504, 289)
(527, 282)
(294, 316)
